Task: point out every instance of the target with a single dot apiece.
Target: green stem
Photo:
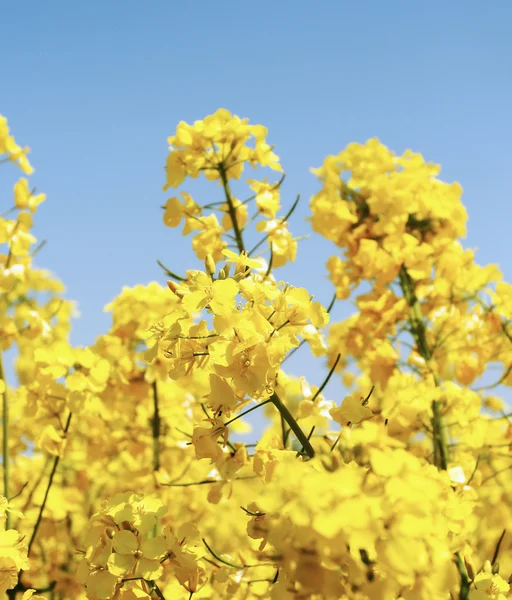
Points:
(464, 579)
(283, 431)
(294, 426)
(281, 221)
(246, 412)
(50, 481)
(207, 481)
(220, 559)
(156, 589)
(418, 329)
(326, 381)
(155, 426)
(170, 273)
(231, 208)
(5, 440)
(419, 333)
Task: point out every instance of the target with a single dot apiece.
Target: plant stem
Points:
(246, 412)
(157, 590)
(294, 426)
(155, 426)
(464, 579)
(222, 560)
(326, 381)
(283, 431)
(418, 330)
(281, 221)
(50, 481)
(231, 208)
(5, 439)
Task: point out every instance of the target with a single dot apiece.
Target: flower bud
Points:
(469, 569)
(240, 269)
(209, 264)
(226, 269)
(222, 274)
(174, 287)
(496, 567)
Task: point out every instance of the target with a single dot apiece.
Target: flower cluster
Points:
(219, 147)
(121, 548)
(126, 466)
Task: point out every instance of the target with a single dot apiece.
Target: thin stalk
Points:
(270, 262)
(157, 590)
(497, 549)
(419, 333)
(5, 439)
(208, 481)
(464, 579)
(246, 412)
(281, 221)
(283, 431)
(220, 559)
(170, 273)
(326, 381)
(418, 330)
(309, 437)
(229, 563)
(335, 443)
(155, 427)
(294, 426)
(48, 487)
(231, 208)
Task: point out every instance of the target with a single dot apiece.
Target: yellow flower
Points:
(351, 411)
(204, 440)
(13, 557)
(241, 261)
(221, 398)
(135, 558)
(267, 197)
(284, 246)
(23, 197)
(14, 152)
(52, 441)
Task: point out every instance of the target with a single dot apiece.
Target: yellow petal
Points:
(351, 410)
(125, 542)
(76, 382)
(121, 564)
(154, 547)
(148, 569)
(103, 584)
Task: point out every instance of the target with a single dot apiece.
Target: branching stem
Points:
(294, 426)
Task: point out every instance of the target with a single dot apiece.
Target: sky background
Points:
(95, 88)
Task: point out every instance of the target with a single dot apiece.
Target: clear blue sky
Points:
(95, 88)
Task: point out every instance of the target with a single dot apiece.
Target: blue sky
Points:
(95, 88)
